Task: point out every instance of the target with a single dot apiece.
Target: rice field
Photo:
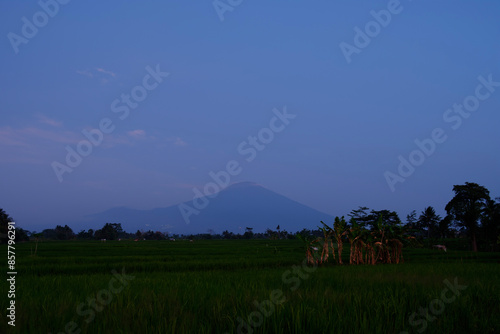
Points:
(246, 286)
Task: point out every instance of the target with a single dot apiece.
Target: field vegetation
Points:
(259, 286)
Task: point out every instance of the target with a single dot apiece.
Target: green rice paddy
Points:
(247, 286)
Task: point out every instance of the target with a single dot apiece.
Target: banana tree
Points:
(326, 243)
(353, 234)
(340, 230)
(311, 249)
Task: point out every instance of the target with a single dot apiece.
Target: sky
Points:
(334, 104)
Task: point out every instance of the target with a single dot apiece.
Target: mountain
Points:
(241, 205)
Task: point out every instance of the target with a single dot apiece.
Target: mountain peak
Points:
(240, 204)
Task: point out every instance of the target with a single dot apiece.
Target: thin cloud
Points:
(32, 145)
(45, 120)
(99, 69)
(179, 142)
(85, 73)
(10, 137)
(137, 133)
(103, 75)
(26, 136)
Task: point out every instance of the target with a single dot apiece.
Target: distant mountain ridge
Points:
(240, 205)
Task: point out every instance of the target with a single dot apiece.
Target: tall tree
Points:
(227, 235)
(64, 233)
(390, 218)
(444, 227)
(369, 220)
(4, 222)
(86, 234)
(467, 207)
(109, 231)
(429, 221)
(411, 219)
(49, 233)
(490, 222)
(360, 215)
(248, 233)
(21, 234)
(412, 223)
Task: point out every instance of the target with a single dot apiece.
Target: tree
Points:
(490, 223)
(270, 234)
(467, 207)
(64, 233)
(304, 233)
(109, 231)
(49, 233)
(444, 227)
(21, 235)
(248, 233)
(361, 216)
(369, 220)
(37, 237)
(150, 235)
(5, 219)
(411, 219)
(389, 218)
(382, 244)
(429, 221)
(227, 235)
(339, 231)
(86, 235)
(412, 224)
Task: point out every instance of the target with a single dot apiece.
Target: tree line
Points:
(471, 213)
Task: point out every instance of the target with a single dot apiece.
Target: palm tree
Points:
(430, 220)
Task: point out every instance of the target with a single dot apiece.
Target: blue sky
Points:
(353, 119)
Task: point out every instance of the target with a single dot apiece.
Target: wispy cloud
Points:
(36, 143)
(137, 133)
(102, 70)
(177, 141)
(28, 135)
(103, 75)
(45, 120)
(32, 145)
(10, 137)
(85, 73)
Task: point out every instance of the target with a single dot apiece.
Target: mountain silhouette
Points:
(241, 205)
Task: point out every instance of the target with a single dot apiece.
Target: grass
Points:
(209, 286)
